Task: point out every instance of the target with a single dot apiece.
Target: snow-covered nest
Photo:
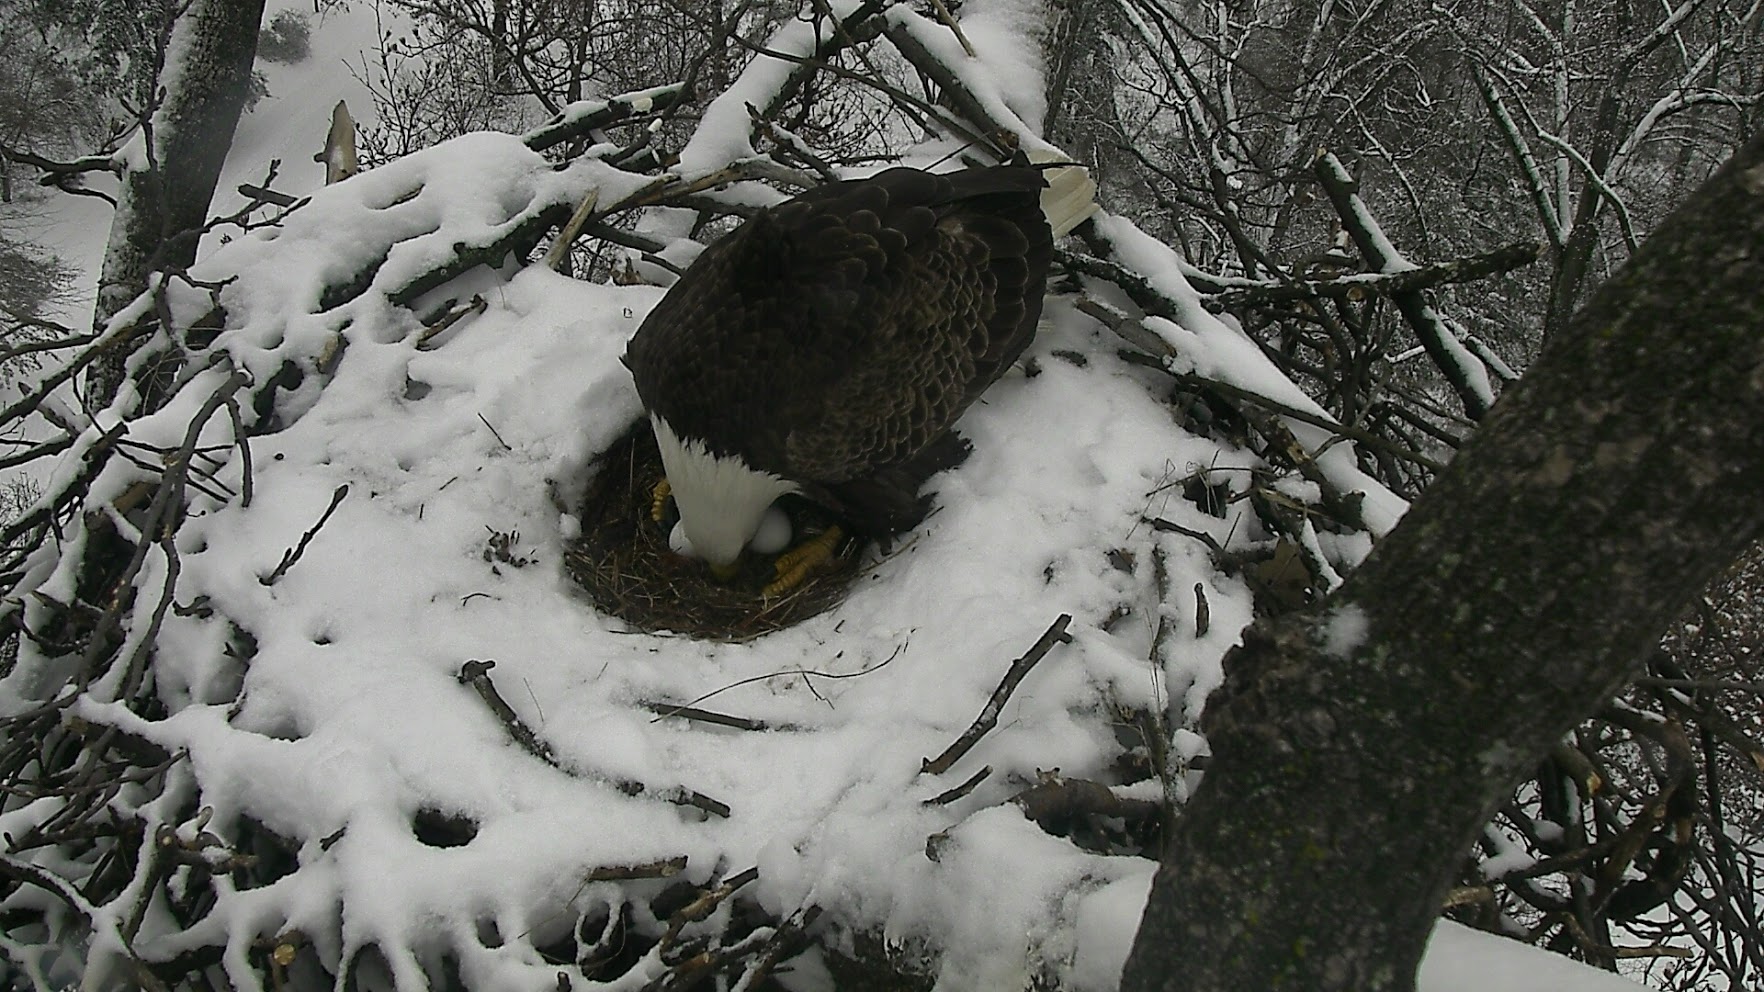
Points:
(389, 742)
(319, 660)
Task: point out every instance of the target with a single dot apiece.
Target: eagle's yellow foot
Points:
(658, 500)
(795, 564)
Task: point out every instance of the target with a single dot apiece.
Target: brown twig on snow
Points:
(270, 196)
(477, 675)
(988, 718)
(664, 868)
(477, 304)
(951, 795)
(664, 710)
(293, 554)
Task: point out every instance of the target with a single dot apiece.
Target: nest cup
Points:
(623, 562)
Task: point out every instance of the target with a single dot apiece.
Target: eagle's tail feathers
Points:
(1070, 197)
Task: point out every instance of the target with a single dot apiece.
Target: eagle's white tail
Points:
(1070, 197)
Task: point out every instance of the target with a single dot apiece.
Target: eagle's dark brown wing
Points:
(835, 339)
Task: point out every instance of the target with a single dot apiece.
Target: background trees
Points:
(1361, 188)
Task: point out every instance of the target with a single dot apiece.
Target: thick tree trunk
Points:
(1358, 749)
(164, 201)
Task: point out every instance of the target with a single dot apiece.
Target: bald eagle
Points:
(827, 346)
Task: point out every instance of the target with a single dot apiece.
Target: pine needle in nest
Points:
(623, 562)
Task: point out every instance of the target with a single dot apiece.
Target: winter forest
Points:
(1354, 586)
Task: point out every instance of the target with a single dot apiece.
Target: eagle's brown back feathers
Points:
(834, 340)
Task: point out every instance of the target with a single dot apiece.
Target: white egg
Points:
(773, 534)
(679, 542)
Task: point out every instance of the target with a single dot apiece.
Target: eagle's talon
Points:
(794, 565)
(658, 500)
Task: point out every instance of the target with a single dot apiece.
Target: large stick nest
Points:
(623, 562)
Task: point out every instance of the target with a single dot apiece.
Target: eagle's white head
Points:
(721, 498)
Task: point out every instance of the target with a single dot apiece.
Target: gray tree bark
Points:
(1359, 748)
(162, 208)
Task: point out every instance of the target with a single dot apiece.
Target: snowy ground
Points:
(340, 717)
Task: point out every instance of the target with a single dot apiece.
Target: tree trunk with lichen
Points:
(164, 201)
(1359, 748)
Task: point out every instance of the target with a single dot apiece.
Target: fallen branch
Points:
(476, 305)
(988, 718)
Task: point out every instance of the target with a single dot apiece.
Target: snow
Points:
(291, 123)
(324, 705)
(349, 715)
(725, 134)
(1208, 346)
(1004, 76)
(1344, 629)
(1460, 959)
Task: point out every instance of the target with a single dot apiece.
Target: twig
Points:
(803, 672)
(948, 796)
(1055, 802)
(1362, 284)
(493, 433)
(788, 940)
(270, 196)
(1128, 329)
(64, 890)
(949, 20)
(664, 868)
(293, 555)
(477, 304)
(1230, 392)
(43, 450)
(32, 347)
(1733, 684)
(580, 118)
(243, 440)
(477, 675)
(1171, 526)
(665, 710)
(1135, 286)
(988, 718)
(560, 247)
(679, 795)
